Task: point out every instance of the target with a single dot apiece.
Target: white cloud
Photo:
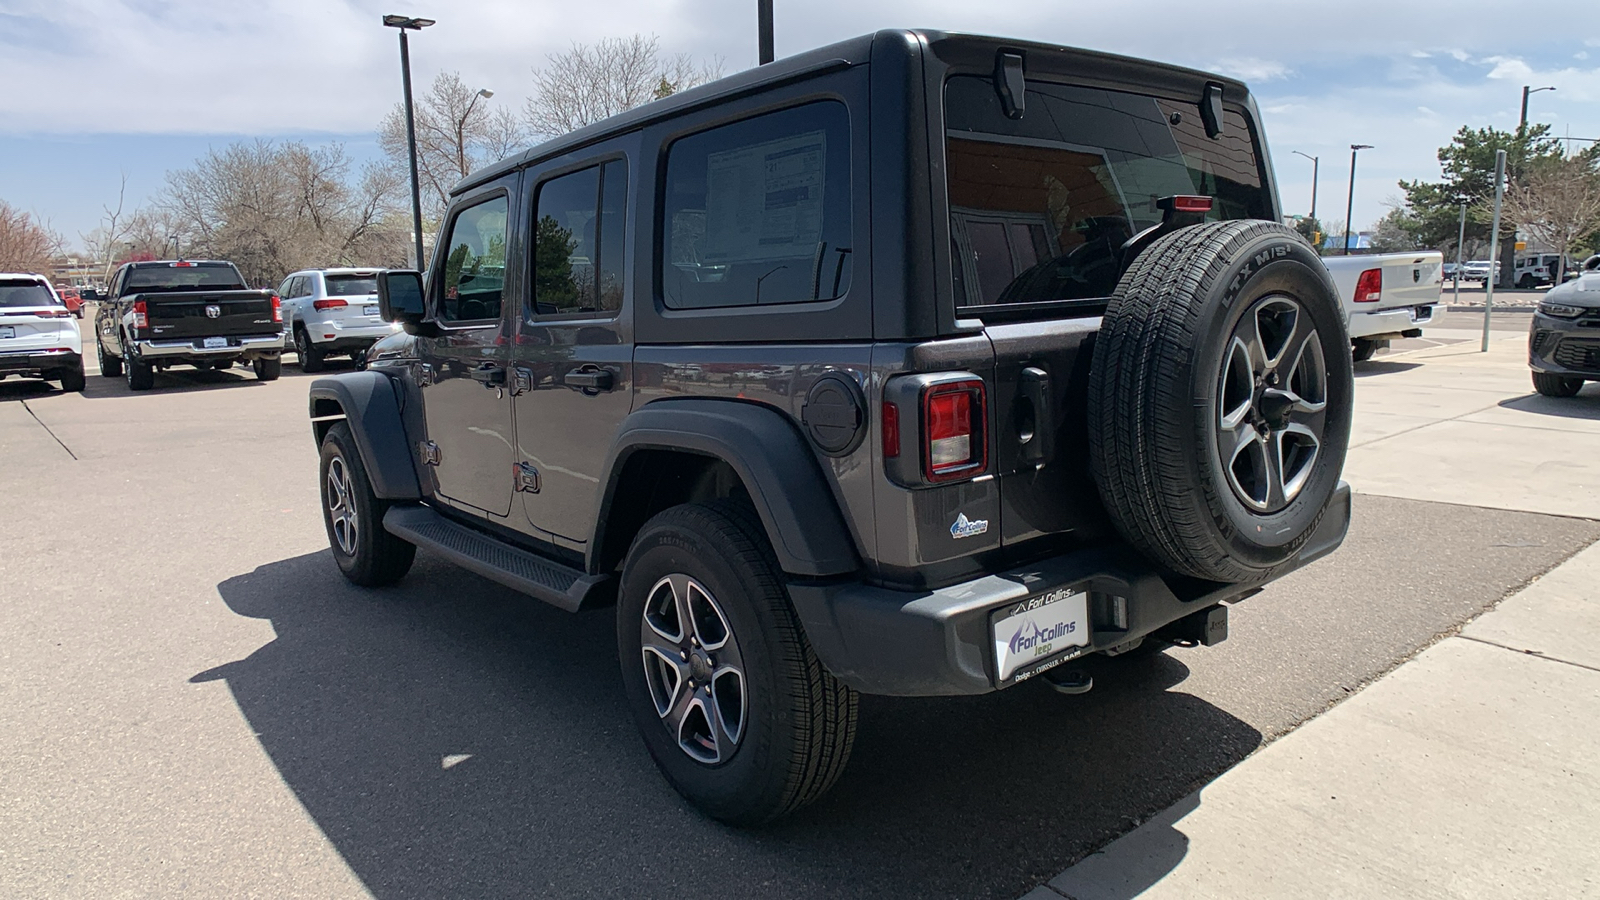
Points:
(1508, 67)
(1251, 69)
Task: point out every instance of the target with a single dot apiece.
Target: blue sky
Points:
(97, 88)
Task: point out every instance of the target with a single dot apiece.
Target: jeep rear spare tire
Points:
(1219, 400)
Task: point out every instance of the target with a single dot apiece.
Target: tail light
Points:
(953, 441)
(329, 303)
(1369, 287)
(53, 314)
(277, 309)
(891, 430)
(141, 314)
(1191, 204)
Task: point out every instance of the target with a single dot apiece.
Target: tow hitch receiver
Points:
(1206, 627)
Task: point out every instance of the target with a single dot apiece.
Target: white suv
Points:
(38, 336)
(327, 312)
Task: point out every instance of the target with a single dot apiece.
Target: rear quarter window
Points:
(758, 212)
(1039, 206)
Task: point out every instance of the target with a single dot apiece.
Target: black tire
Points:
(310, 357)
(267, 368)
(1166, 362)
(796, 721)
(1525, 282)
(367, 554)
(1362, 349)
(72, 380)
(110, 366)
(141, 377)
(1556, 385)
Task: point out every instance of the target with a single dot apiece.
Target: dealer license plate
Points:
(8, 331)
(216, 343)
(1033, 630)
(369, 310)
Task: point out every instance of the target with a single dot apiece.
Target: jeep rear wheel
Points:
(1219, 400)
(367, 553)
(731, 701)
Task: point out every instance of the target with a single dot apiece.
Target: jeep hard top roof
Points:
(855, 51)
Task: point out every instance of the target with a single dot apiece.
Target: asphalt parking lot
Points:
(194, 702)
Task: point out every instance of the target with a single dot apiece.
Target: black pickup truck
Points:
(197, 313)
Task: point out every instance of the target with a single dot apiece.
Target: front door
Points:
(572, 363)
(465, 400)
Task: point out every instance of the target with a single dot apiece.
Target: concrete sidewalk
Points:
(1472, 770)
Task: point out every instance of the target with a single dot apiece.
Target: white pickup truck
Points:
(1387, 296)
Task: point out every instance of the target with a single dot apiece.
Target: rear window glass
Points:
(208, 277)
(18, 293)
(1040, 206)
(758, 212)
(350, 285)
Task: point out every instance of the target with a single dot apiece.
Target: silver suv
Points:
(328, 312)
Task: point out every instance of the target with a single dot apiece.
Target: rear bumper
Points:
(1569, 347)
(937, 643)
(194, 347)
(346, 337)
(26, 362)
(1392, 324)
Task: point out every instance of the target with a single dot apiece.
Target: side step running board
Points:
(518, 569)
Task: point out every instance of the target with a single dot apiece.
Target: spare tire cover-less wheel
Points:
(1219, 400)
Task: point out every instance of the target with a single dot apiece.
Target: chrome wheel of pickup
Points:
(1272, 404)
(693, 668)
(341, 506)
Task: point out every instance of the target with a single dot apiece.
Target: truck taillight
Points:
(277, 309)
(953, 441)
(328, 303)
(141, 314)
(1369, 287)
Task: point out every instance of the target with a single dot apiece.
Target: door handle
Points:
(490, 375)
(590, 379)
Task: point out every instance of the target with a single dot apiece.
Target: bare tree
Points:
(26, 244)
(591, 82)
(1557, 202)
(458, 130)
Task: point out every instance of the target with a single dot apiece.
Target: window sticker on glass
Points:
(788, 174)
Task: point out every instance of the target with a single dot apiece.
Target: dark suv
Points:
(916, 365)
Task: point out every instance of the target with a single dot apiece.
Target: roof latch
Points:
(1211, 109)
(1009, 83)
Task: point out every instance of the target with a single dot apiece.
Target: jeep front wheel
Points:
(367, 554)
(731, 701)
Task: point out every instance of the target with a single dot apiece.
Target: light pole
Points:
(1461, 240)
(461, 130)
(764, 30)
(1316, 165)
(1350, 200)
(1522, 123)
(404, 24)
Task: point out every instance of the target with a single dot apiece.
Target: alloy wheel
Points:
(341, 506)
(693, 668)
(1272, 404)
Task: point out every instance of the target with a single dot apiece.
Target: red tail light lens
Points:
(954, 444)
(891, 431)
(1369, 287)
(53, 314)
(328, 303)
(141, 314)
(1188, 203)
(277, 309)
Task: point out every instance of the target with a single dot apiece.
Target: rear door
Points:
(465, 401)
(1040, 207)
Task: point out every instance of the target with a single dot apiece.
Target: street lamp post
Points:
(461, 130)
(1522, 123)
(1461, 240)
(1350, 199)
(764, 30)
(1316, 165)
(404, 24)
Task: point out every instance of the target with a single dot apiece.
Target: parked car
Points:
(38, 337)
(329, 312)
(190, 312)
(1564, 336)
(1537, 269)
(820, 377)
(1387, 296)
(1478, 270)
(73, 300)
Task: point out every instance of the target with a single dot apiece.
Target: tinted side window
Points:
(758, 212)
(474, 276)
(1040, 206)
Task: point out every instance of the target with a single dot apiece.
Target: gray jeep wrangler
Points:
(920, 364)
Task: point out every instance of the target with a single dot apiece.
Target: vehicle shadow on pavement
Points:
(25, 389)
(1383, 367)
(1564, 407)
(451, 738)
(172, 381)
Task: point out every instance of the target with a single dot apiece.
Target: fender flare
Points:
(372, 409)
(772, 459)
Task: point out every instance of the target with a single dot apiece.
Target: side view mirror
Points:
(400, 298)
